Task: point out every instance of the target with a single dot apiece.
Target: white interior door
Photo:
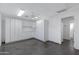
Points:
(13, 30)
(66, 31)
(40, 30)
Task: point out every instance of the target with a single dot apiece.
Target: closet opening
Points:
(68, 31)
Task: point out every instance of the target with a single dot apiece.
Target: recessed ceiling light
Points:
(32, 18)
(20, 13)
(35, 17)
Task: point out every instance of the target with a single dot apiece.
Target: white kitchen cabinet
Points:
(13, 28)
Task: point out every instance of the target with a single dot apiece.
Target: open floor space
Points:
(36, 47)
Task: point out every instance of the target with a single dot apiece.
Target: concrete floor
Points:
(36, 47)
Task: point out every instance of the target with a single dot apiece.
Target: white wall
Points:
(46, 33)
(55, 29)
(40, 30)
(3, 30)
(55, 26)
(76, 34)
(61, 31)
(0, 29)
(7, 30)
(28, 29)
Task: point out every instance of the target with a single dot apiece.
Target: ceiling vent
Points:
(63, 10)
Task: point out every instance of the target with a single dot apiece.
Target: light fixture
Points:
(36, 17)
(32, 18)
(20, 13)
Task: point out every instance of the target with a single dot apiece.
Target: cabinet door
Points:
(13, 30)
(16, 29)
(7, 30)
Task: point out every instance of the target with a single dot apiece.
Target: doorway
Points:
(68, 30)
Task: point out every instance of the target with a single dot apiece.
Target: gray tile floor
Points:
(36, 47)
